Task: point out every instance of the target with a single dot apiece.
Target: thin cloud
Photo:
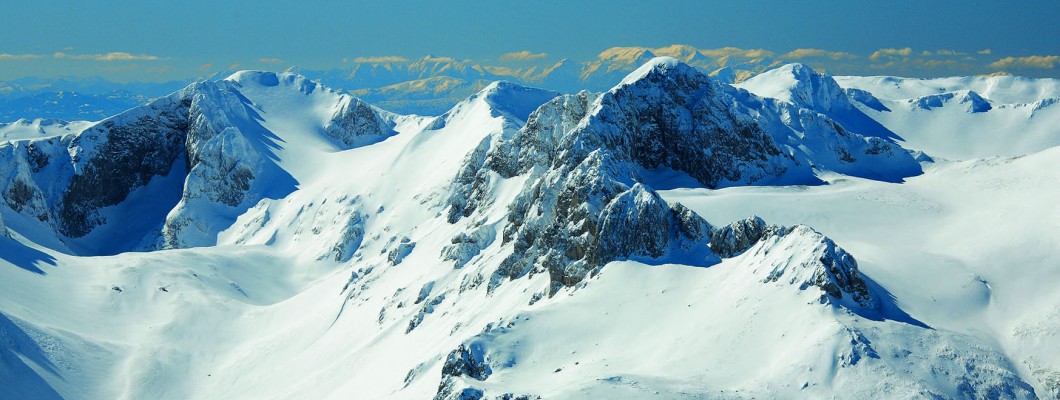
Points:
(1040, 62)
(439, 59)
(984, 52)
(736, 51)
(798, 54)
(19, 57)
(524, 55)
(951, 53)
(112, 56)
(270, 60)
(890, 52)
(206, 67)
(379, 60)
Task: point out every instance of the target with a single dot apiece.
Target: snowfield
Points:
(792, 236)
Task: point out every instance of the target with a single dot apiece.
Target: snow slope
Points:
(516, 246)
(964, 117)
(999, 89)
(39, 128)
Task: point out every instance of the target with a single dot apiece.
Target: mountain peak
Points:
(260, 78)
(799, 84)
(512, 98)
(658, 65)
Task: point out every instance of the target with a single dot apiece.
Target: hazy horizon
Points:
(132, 41)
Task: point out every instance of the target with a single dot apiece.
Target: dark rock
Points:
(469, 361)
(357, 124)
(427, 308)
(124, 154)
(403, 249)
(737, 237)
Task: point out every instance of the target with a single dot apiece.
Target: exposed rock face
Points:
(67, 180)
(18, 194)
(590, 158)
(117, 156)
(972, 101)
(467, 360)
(571, 226)
(818, 263)
(736, 237)
(356, 123)
(229, 153)
(350, 239)
(208, 132)
(465, 246)
(403, 249)
(427, 308)
(672, 116)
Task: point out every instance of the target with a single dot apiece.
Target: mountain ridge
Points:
(482, 253)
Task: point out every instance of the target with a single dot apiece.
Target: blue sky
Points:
(156, 40)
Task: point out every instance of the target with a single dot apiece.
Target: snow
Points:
(39, 128)
(953, 118)
(999, 89)
(656, 64)
(963, 124)
(265, 310)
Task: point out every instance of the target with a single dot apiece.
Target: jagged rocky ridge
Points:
(207, 134)
(591, 161)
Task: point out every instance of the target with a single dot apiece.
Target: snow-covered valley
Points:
(263, 236)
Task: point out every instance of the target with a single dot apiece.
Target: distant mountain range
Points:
(426, 86)
(429, 85)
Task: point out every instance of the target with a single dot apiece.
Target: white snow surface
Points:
(999, 89)
(299, 295)
(956, 118)
(39, 128)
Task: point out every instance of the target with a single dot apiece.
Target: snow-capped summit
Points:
(799, 84)
(514, 99)
(657, 65)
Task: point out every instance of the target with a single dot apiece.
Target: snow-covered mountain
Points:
(264, 236)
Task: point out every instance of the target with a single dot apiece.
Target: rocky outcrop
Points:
(350, 238)
(736, 237)
(230, 165)
(467, 361)
(426, 309)
(971, 101)
(402, 250)
(573, 225)
(208, 132)
(802, 257)
(466, 245)
(117, 156)
(590, 161)
(65, 181)
(356, 123)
